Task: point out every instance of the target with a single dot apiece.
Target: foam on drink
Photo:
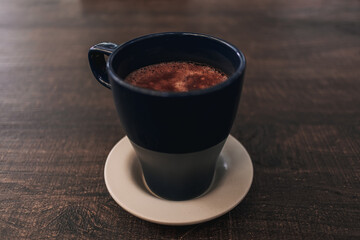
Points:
(176, 76)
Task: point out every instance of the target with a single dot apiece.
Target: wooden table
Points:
(299, 117)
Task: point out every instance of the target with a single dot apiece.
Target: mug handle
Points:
(97, 61)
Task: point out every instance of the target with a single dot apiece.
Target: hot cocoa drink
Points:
(178, 114)
(176, 77)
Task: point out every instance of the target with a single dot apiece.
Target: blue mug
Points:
(177, 136)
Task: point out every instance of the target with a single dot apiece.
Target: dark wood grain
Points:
(299, 117)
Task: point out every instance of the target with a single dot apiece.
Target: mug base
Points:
(178, 177)
(155, 195)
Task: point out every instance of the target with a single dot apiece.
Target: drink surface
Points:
(176, 77)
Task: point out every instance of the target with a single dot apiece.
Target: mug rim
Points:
(238, 71)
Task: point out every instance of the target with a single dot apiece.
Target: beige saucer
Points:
(232, 181)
